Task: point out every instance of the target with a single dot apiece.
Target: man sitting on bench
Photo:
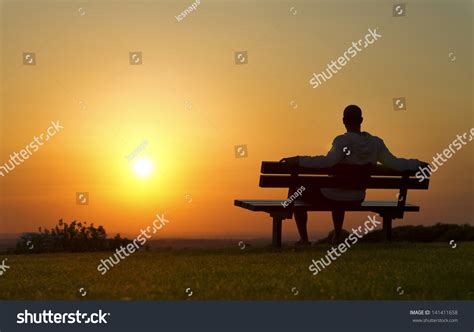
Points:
(354, 148)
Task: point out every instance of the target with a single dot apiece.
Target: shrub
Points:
(73, 237)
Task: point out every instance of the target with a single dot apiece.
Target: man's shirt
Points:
(356, 149)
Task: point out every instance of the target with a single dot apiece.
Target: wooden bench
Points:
(276, 175)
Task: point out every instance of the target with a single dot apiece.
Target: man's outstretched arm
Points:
(334, 156)
(386, 158)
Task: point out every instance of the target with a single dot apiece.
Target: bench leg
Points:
(276, 239)
(387, 228)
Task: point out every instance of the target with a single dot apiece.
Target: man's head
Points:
(352, 118)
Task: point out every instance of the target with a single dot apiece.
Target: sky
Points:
(192, 104)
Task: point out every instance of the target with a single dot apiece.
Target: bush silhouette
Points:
(73, 237)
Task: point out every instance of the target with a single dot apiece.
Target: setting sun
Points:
(143, 167)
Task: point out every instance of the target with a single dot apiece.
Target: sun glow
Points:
(143, 167)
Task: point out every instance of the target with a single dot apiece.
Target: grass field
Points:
(365, 272)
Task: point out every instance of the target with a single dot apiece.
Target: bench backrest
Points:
(276, 175)
(340, 176)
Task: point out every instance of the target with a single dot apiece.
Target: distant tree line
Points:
(435, 233)
(73, 237)
(409, 233)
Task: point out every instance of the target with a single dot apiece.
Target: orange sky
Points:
(108, 107)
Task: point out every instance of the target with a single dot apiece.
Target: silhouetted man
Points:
(354, 148)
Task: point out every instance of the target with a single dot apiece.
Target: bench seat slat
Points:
(276, 206)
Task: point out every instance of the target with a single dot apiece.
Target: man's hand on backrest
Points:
(423, 164)
(290, 161)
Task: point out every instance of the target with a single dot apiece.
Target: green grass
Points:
(364, 272)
